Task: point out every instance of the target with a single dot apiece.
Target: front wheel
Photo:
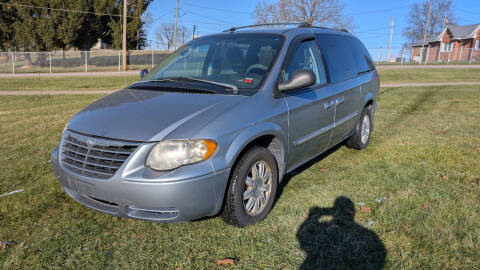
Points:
(360, 139)
(252, 188)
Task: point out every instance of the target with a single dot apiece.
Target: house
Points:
(455, 43)
(100, 45)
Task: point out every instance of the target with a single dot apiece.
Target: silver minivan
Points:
(215, 127)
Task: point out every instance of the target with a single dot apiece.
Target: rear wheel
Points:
(361, 138)
(252, 188)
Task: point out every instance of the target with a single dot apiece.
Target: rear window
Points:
(345, 57)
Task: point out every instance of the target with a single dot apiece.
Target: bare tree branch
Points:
(166, 31)
(328, 13)
(417, 19)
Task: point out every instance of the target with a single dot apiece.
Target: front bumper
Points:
(161, 198)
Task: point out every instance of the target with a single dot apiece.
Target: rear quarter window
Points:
(345, 57)
(361, 55)
(338, 56)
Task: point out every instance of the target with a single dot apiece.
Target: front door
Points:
(311, 110)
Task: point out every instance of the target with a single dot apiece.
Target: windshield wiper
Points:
(139, 86)
(227, 85)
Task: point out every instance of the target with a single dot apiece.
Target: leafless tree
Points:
(417, 19)
(166, 32)
(329, 13)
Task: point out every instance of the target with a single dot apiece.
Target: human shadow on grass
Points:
(340, 243)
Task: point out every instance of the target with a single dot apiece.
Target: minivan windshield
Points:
(242, 60)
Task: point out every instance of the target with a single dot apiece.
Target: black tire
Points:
(355, 141)
(234, 209)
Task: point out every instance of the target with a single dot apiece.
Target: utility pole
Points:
(390, 40)
(426, 30)
(137, 38)
(175, 30)
(193, 33)
(183, 37)
(124, 38)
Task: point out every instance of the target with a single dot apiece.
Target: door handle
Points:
(340, 100)
(329, 104)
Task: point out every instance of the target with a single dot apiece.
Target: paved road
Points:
(74, 74)
(86, 92)
(425, 66)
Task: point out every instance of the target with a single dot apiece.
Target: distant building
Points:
(100, 45)
(455, 43)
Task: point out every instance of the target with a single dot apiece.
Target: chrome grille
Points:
(94, 157)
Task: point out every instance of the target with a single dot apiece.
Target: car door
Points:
(311, 110)
(343, 74)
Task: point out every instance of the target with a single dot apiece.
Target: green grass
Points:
(428, 75)
(426, 222)
(65, 83)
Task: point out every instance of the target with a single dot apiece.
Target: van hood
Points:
(144, 115)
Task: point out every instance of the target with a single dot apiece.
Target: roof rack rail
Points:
(308, 25)
(299, 25)
(261, 24)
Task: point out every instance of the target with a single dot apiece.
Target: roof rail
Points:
(299, 25)
(261, 24)
(308, 25)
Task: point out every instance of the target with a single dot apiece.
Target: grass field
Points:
(423, 159)
(429, 75)
(66, 83)
(75, 83)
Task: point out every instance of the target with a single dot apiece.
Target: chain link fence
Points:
(111, 60)
(77, 61)
(432, 56)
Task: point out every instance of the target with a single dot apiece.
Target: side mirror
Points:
(300, 78)
(143, 72)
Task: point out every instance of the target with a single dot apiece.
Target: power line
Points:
(212, 23)
(67, 10)
(163, 15)
(218, 9)
(210, 18)
(378, 10)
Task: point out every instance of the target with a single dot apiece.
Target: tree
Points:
(417, 19)
(135, 24)
(38, 29)
(165, 34)
(7, 18)
(328, 13)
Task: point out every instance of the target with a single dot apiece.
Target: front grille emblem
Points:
(90, 142)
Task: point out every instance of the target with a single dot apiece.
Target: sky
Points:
(370, 17)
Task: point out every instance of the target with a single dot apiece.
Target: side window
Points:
(306, 56)
(361, 56)
(338, 55)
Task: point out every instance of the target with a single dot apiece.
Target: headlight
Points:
(168, 155)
